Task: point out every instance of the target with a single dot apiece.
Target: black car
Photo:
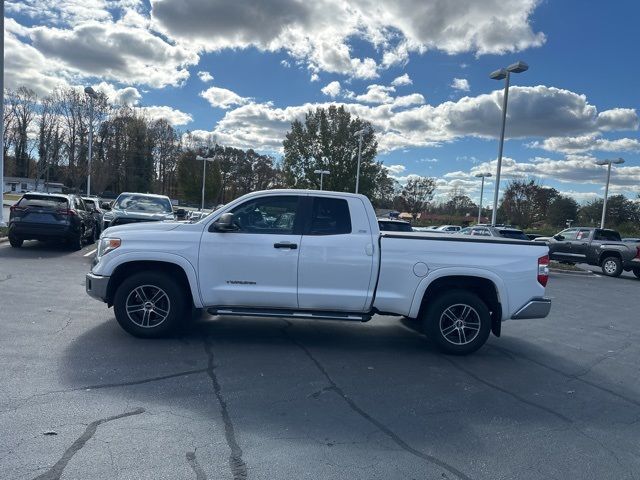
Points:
(389, 225)
(44, 216)
(94, 206)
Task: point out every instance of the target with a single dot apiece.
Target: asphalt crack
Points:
(576, 377)
(195, 466)
(379, 425)
(55, 472)
(517, 397)
(236, 463)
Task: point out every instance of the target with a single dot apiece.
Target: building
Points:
(22, 185)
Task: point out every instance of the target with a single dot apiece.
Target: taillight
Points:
(16, 208)
(637, 253)
(543, 270)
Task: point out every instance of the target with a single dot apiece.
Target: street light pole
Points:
(2, 224)
(617, 161)
(503, 73)
(92, 95)
(322, 173)
(204, 174)
(482, 176)
(359, 133)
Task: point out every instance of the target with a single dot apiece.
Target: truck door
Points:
(561, 249)
(580, 245)
(255, 265)
(337, 254)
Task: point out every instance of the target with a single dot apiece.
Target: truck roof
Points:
(295, 191)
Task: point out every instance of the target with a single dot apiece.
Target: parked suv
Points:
(44, 216)
(502, 232)
(138, 207)
(596, 246)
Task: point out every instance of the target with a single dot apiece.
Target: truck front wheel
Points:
(458, 322)
(149, 305)
(611, 266)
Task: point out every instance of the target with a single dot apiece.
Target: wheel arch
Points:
(176, 271)
(490, 291)
(609, 253)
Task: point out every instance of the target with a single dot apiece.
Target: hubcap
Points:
(148, 306)
(460, 324)
(610, 267)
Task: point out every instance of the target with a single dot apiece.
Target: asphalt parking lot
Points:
(272, 399)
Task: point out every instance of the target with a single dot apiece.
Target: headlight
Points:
(106, 245)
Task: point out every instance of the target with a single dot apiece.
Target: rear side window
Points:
(43, 201)
(395, 227)
(607, 235)
(515, 234)
(330, 216)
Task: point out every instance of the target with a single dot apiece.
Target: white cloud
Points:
(402, 80)
(408, 100)
(115, 51)
(319, 32)
(205, 76)
(461, 84)
(377, 94)
(587, 143)
(332, 89)
(174, 116)
(223, 98)
(395, 170)
(285, 63)
(127, 96)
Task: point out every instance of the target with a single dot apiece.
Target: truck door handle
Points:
(289, 245)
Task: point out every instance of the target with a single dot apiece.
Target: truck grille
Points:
(124, 220)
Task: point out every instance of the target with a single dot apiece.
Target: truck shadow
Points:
(383, 366)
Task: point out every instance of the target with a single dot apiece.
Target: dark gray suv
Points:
(45, 216)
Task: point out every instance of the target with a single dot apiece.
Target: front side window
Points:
(569, 234)
(330, 216)
(270, 215)
(583, 234)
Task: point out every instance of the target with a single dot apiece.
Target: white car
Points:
(303, 254)
(448, 228)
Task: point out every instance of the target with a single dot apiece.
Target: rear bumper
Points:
(535, 308)
(28, 230)
(96, 286)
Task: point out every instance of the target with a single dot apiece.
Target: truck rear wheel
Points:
(458, 322)
(150, 305)
(611, 266)
(636, 272)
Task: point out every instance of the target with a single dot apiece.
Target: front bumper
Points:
(96, 286)
(538, 307)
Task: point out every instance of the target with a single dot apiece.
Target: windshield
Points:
(143, 203)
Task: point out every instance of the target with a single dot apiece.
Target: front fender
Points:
(418, 295)
(106, 266)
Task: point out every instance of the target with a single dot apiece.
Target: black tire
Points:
(76, 243)
(149, 283)
(455, 303)
(611, 266)
(15, 242)
(95, 234)
(636, 272)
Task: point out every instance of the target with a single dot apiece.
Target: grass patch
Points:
(564, 266)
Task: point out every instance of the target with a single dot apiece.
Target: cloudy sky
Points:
(241, 71)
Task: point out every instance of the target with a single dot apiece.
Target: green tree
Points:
(620, 211)
(526, 202)
(561, 209)
(327, 140)
(190, 179)
(417, 194)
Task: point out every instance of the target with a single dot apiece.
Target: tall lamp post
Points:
(322, 173)
(482, 176)
(204, 174)
(359, 133)
(617, 161)
(2, 224)
(92, 96)
(503, 73)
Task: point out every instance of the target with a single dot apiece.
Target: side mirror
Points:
(105, 206)
(225, 223)
(181, 213)
(558, 237)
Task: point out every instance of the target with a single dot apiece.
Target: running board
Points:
(283, 313)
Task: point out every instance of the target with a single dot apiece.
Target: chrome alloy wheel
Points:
(460, 324)
(148, 306)
(610, 267)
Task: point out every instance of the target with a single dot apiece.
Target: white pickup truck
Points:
(316, 255)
